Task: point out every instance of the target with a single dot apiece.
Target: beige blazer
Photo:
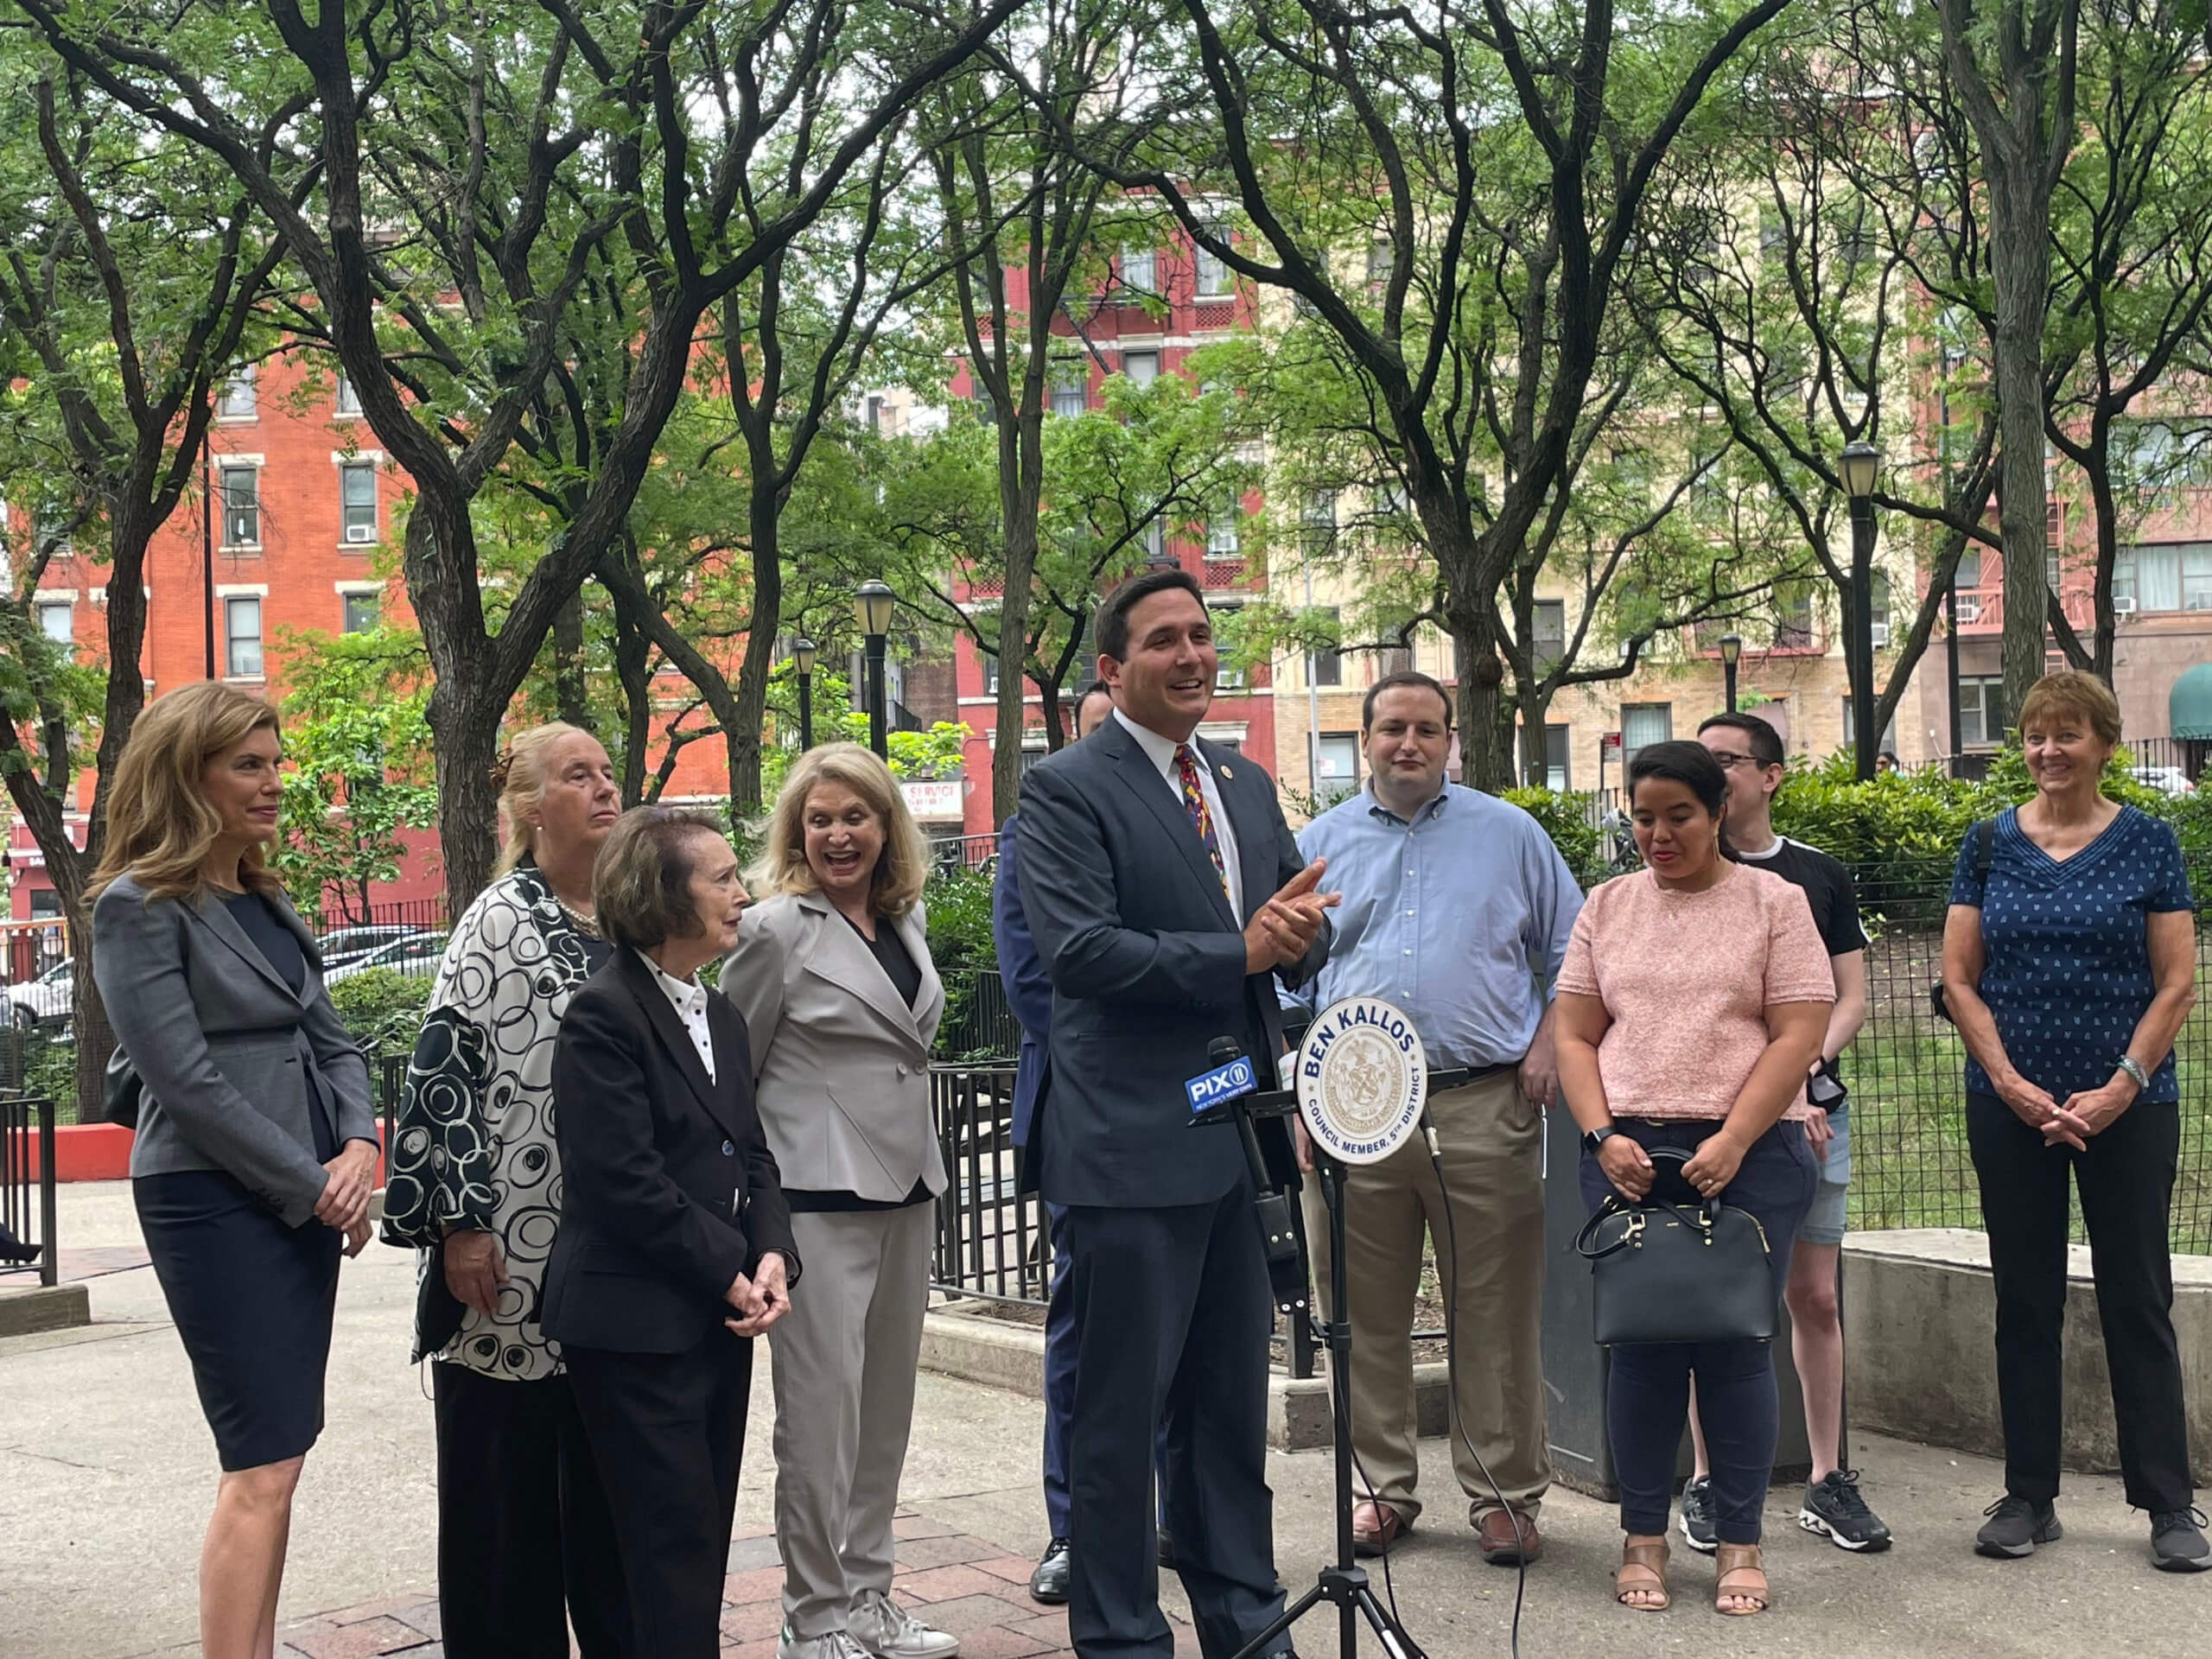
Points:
(840, 1064)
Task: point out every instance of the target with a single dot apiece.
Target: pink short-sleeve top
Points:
(1687, 978)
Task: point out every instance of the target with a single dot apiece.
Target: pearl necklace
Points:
(584, 922)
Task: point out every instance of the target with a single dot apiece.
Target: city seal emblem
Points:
(1362, 1078)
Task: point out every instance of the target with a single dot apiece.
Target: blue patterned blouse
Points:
(2069, 964)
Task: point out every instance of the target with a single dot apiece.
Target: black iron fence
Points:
(27, 1195)
(992, 1240)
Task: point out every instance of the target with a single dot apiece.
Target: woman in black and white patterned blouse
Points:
(526, 1543)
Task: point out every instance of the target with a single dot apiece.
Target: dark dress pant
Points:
(525, 1540)
(1172, 1311)
(2127, 1182)
(1648, 1383)
(1059, 1382)
(667, 1430)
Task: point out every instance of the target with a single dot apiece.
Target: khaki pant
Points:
(1491, 1150)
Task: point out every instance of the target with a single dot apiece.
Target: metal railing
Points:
(992, 1239)
(28, 1204)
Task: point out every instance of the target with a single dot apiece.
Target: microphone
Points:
(1233, 1075)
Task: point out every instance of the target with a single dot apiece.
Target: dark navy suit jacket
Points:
(1028, 987)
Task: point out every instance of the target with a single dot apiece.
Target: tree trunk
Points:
(2020, 262)
(1486, 725)
(1022, 476)
(741, 733)
(568, 694)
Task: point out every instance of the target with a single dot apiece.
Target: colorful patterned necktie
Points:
(1194, 803)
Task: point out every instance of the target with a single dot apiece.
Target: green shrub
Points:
(960, 921)
(382, 1008)
(1567, 820)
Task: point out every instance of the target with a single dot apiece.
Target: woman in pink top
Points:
(1693, 998)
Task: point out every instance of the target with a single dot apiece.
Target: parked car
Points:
(344, 944)
(44, 1001)
(415, 955)
(2167, 780)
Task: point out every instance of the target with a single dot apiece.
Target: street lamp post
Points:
(1731, 647)
(1860, 463)
(874, 605)
(802, 654)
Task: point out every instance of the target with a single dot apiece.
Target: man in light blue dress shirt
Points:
(1457, 909)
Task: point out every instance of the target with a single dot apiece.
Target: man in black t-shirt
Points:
(1750, 751)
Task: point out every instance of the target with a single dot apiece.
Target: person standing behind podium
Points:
(1029, 993)
(1457, 909)
(1165, 892)
(675, 1249)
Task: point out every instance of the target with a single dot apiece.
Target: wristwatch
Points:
(1592, 1137)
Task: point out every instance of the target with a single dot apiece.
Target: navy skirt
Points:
(252, 1300)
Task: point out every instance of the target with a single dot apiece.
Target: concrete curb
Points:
(44, 1307)
(1000, 1354)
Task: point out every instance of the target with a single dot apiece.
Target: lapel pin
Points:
(1226, 773)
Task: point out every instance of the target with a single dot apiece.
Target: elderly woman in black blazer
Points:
(257, 1147)
(675, 1249)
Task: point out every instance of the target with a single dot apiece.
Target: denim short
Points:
(1824, 1222)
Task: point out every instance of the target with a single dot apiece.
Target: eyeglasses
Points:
(1729, 762)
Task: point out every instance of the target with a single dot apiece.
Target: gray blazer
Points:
(841, 1065)
(232, 1058)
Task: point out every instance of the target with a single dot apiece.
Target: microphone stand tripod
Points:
(1344, 1584)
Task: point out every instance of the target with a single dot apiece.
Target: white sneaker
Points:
(889, 1631)
(836, 1644)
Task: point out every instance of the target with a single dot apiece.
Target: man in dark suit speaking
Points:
(1165, 892)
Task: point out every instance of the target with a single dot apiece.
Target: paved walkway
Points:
(107, 1472)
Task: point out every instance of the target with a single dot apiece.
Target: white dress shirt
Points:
(688, 998)
(1160, 751)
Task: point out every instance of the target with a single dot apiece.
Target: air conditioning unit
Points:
(361, 532)
(2123, 604)
(1879, 634)
(1969, 608)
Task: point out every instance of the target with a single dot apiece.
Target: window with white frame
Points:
(1851, 729)
(349, 401)
(238, 401)
(1223, 540)
(1142, 368)
(1981, 710)
(1325, 665)
(57, 620)
(241, 506)
(1141, 271)
(357, 494)
(1548, 633)
(1155, 538)
(1644, 724)
(361, 611)
(1557, 748)
(242, 631)
(1339, 773)
(1212, 275)
(1071, 382)
(2175, 577)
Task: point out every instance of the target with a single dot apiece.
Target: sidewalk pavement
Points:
(107, 1473)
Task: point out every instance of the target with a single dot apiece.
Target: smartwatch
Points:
(1592, 1137)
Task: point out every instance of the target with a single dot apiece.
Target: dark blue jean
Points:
(1647, 1384)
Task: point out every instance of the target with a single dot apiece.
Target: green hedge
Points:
(382, 1009)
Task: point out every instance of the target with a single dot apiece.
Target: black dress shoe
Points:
(13, 1250)
(1049, 1583)
(1167, 1548)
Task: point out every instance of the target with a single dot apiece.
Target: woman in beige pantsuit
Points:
(832, 976)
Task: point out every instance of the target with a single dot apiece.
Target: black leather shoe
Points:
(1049, 1583)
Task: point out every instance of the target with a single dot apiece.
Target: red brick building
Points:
(1164, 303)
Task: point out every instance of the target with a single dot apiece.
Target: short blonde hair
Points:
(2069, 691)
(901, 869)
(641, 885)
(520, 777)
(159, 824)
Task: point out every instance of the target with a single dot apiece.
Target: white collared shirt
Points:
(688, 998)
(1160, 751)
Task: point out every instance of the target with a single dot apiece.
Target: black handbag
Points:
(1985, 835)
(1667, 1272)
(121, 1090)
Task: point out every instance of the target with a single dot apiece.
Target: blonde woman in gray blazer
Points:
(833, 978)
(257, 1146)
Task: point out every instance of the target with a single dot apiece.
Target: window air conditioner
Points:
(1879, 634)
(2123, 604)
(361, 532)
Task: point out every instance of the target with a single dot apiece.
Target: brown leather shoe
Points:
(1376, 1529)
(1510, 1540)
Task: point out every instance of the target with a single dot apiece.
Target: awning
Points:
(2189, 705)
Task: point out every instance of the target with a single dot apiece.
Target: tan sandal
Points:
(1740, 1562)
(1643, 1572)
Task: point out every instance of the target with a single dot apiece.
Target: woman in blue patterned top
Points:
(2069, 963)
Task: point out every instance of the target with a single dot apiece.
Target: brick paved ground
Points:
(971, 1587)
